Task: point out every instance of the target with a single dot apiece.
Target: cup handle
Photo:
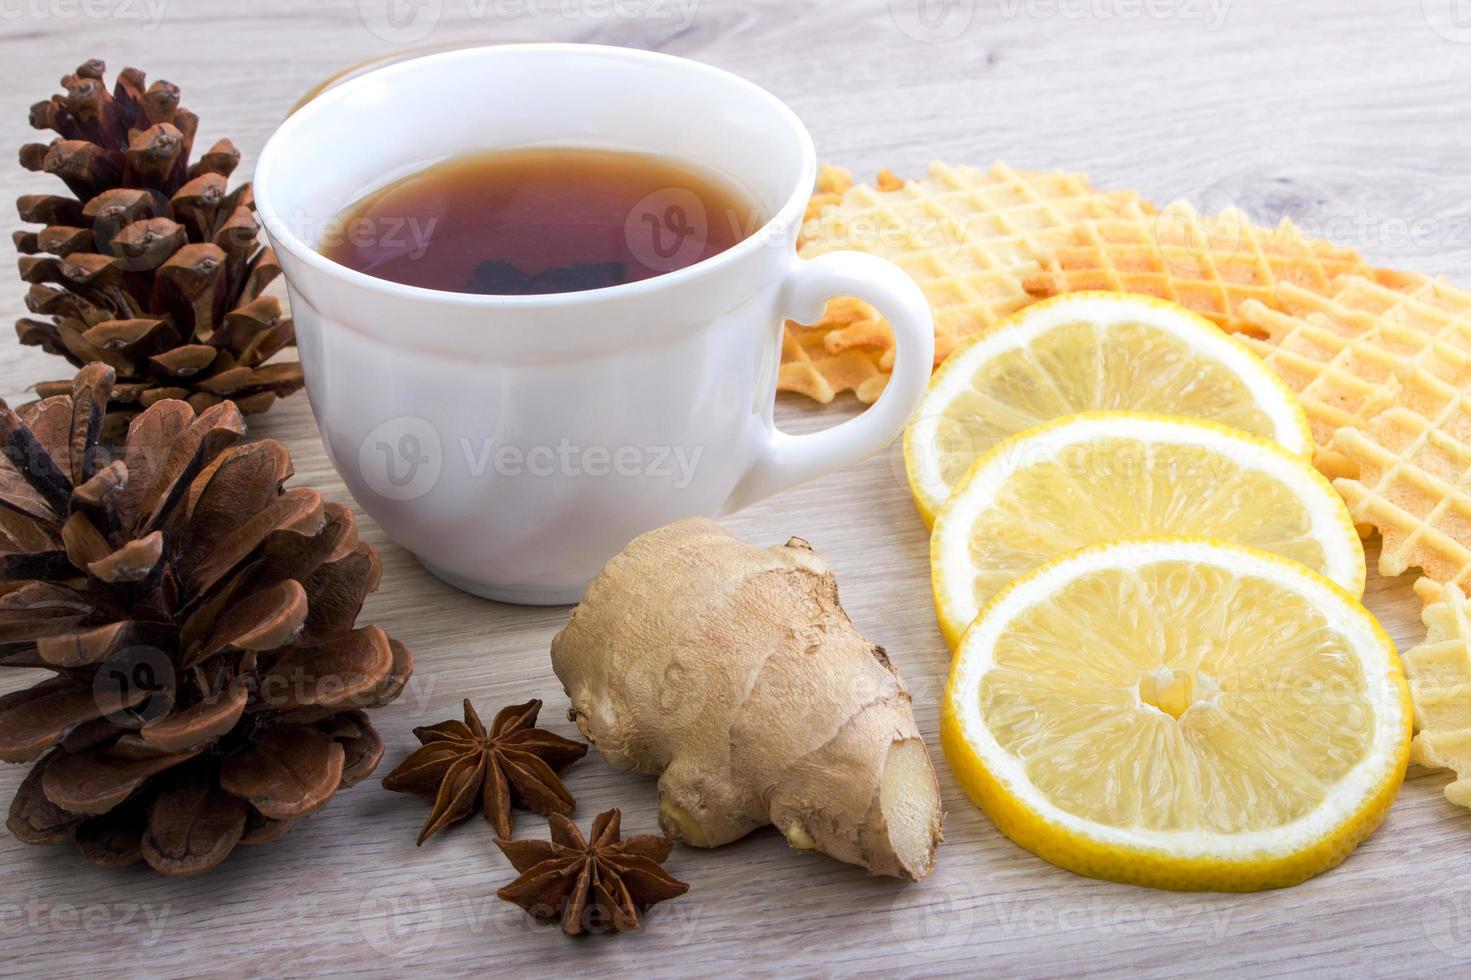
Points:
(787, 459)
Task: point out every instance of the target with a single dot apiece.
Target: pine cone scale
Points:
(268, 620)
(289, 772)
(184, 362)
(219, 549)
(204, 437)
(50, 209)
(198, 724)
(62, 240)
(33, 720)
(124, 336)
(339, 673)
(88, 648)
(34, 819)
(259, 830)
(98, 780)
(21, 498)
(192, 826)
(361, 745)
(32, 634)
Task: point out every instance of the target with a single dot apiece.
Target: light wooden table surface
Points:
(1353, 118)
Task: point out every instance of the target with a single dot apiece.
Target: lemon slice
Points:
(1107, 476)
(1179, 713)
(1090, 351)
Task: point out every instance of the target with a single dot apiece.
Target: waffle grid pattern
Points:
(968, 238)
(1212, 265)
(1384, 376)
(1439, 673)
(1345, 353)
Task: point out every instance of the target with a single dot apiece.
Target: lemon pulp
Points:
(1179, 713)
(1110, 476)
(1090, 352)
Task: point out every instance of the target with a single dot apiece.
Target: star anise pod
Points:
(461, 766)
(599, 886)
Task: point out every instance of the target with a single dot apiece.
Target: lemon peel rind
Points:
(1054, 836)
(955, 611)
(1290, 421)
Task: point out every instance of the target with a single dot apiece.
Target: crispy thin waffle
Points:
(968, 237)
(1439, 672)
(1344, 353)
(1384, 375)
(1413, 461)
(1211, 265)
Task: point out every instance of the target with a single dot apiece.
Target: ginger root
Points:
(734, 674)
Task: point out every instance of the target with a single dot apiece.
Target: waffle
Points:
(968, 237)
(1384, 374)
(1212, 265)
(809, 367)
(1344, 353)
(1439, 672)
(1413, 459)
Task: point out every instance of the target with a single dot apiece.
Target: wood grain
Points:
(1350, 118)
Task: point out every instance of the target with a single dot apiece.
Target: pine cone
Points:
(154, 267)
(207, 687)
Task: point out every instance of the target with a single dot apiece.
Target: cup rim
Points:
(278, 230)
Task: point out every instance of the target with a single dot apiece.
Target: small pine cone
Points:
(207, 685)
(152, 266)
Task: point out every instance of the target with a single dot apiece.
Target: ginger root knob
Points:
(734, 674)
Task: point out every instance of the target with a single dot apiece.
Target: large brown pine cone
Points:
(154, 266)
(207, 686)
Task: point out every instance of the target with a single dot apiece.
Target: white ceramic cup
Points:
(516, 443)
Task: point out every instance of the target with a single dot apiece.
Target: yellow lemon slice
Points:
(1179, 713)
(1090, 351)
(1107, 476)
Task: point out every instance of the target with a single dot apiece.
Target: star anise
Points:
(600, 886)
(461, 766)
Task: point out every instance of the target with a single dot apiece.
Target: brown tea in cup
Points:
(541, 220)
